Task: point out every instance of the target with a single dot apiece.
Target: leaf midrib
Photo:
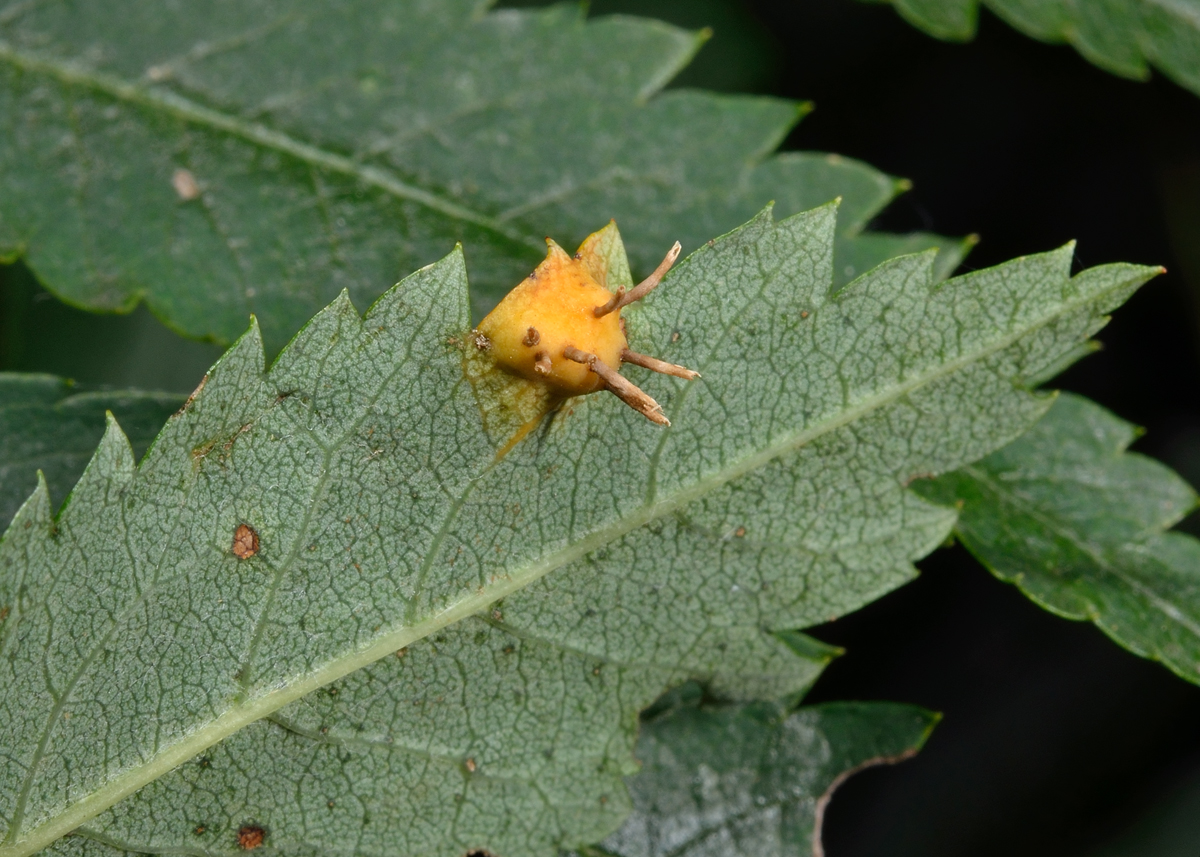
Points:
(166, 101)
(237, 718)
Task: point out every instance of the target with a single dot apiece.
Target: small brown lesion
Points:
(196, 392)
(185, 185)
(251, 836)
(245, 541)
(531, 338)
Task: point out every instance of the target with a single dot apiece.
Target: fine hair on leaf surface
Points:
(387, 515)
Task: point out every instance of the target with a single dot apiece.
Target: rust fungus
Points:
(3, 613)
(251, 836)
(245, 541)
(739, 532)
(200, 828)
(575, 321)
(402, 652)
(497, 615)
(471, 766)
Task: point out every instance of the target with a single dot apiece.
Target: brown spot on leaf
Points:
(471, 766)
(739, 532)
(185, 185)
(251, 836)
(195, 393)
(200, 828)
(3, 613)
(497, 615)
(245, 542)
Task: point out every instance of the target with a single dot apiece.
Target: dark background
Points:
(1055, 741)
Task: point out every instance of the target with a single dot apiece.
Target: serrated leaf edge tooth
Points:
(454, 263)
(923, 259)
(110, 468)
(34, 511)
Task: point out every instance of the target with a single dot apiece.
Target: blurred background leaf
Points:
(1121, 36)
(284, 154)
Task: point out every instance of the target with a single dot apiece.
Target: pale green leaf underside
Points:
(338, 146)
(1124, 37)
(748, 780)
(754, 780)
(777, 499)
(1079, 524)
(475, 738)
(49, 424)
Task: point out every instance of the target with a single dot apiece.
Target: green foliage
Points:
(750, 779)
(263, 158)
(1078, 524)
(47, 423)
(390, 509)
(754, 780)
(442, 638)
(1124, 37)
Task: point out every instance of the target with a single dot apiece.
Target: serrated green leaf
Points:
(1078, 524)
(1124, 37)
(751, 780)
(49, 424)
(386, 511)
(754, 780)
(263, 156)
(475, 738)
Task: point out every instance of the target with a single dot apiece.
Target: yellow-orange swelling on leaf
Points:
(561, 329)
(552, 309)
